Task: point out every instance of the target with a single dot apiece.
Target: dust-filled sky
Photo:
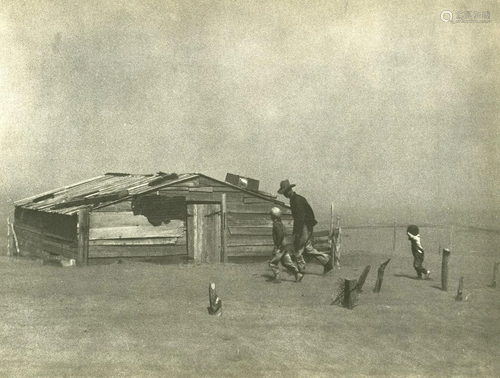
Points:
(379, 106)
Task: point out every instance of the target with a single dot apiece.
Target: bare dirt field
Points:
(146, 320)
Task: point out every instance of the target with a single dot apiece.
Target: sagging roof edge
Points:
(49, 192)
(193, 176)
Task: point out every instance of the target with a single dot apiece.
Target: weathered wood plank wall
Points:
(41, 234)
(125, 235)
(250, 227)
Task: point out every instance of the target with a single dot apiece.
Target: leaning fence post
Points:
(459, 296)
(350, 293)
(9, 246)
(444, 269)
(380, 276)
(394, 238)
(495, 272)
(362, 279)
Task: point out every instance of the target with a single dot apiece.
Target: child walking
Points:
(418, 252)
(281, 252)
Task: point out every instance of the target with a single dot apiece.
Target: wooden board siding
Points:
(250, 228)
(255, 220)
(193, 183)
(131, 232)
(256, 208)
(100, 251)
(123, 219)
(33, 243)
(321, 240)
(125, 235)
(203, 194)
(41, 234)
(58, 226)
(117, 207)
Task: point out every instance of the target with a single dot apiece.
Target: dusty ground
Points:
(145, 320)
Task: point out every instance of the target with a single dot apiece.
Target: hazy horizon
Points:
(380, 107)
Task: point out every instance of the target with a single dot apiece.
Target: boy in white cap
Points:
(281, 251)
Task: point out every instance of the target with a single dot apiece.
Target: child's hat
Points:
(412, 229)
(275, 212)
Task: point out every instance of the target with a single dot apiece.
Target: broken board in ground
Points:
(215, 307)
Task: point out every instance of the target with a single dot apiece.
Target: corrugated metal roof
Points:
(110, 188)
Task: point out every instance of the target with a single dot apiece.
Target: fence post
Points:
(350, 293)
(459, 296)
(495, 272)
(444, 269)
(83, 236)
(394, 239)
(362, 279)
(9, 246)
(223, 228)
(380, 276)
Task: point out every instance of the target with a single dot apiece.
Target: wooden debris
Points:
(444, 269)
(16, 241)
(335, 239)
(459, 296)
(380, 276)
(215, 307)
(494, 279)
(362, 279)
(56, 261)
(9, 246)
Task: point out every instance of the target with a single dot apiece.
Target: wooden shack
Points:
(160, 217)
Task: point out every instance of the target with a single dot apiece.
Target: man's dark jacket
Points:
(302, 214)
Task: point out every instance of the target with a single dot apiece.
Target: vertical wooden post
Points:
(16, 241)
(459, 296)
(451, 238)
(223, 228)
(215, 304)
(9, 245)
(394, 239)
(362, 279)
(83, 236)
(350, 293)
(444, 269)
(334, 238)
(495, 272)
(336, 244)
(380, 276)
(332, 225)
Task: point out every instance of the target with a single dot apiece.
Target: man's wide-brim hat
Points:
(285, 186)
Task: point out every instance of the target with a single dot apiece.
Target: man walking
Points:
(303, 224)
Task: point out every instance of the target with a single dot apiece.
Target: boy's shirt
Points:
(279, 233)
(416, 246)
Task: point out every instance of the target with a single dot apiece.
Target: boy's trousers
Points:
(418, 260)
(282, 255)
